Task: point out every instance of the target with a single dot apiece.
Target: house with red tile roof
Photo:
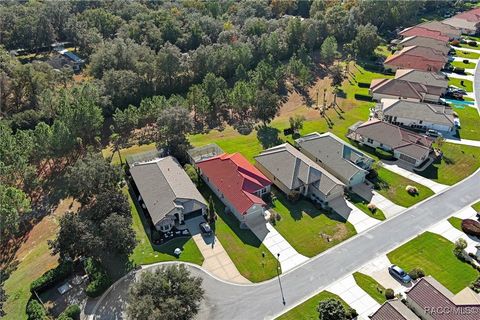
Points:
(237, 183)
(418, 58)
(423, 32)
(468, 22)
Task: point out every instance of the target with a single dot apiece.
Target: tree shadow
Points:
(268, 136)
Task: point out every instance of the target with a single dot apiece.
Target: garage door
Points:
(193, 214)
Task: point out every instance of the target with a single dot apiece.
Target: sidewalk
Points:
(473, 143)
(359, 219)
(434, 186)
(466, 49)
(277, 244)
(389, 208)
(354, 296)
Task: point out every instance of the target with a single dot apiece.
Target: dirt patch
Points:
(341, 232)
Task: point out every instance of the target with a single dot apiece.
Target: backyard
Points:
(469, 120)
(370, 286)
(459, 161)
(392, 186)
(434, 254)
(308, 229)
(467, 84)
(308, 309)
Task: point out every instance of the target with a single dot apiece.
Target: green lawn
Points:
(362, 204)
(467, 54)
(466, 45)
(370, 286)
(308, 309)
(382, 51)
(458, 162)
(146, 253)
(242, 246)
(469, 121)
(461, 64)
(476, 206)
(392, 186)
(467, 84)
(456, 222)
(303, 226)
(434, 254)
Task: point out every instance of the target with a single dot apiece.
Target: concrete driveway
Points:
(389, 208)
(359, 219)
(216, 258)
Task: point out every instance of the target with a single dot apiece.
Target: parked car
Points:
(399, 274)
(433, 133)
(205, 228)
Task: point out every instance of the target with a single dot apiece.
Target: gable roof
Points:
(434, 113)
(294, 169)
(236, 179)
(423, 32)
(435, 44)
(339, 156)
(463, 22)
(446, 29)
(470, 15)
(163, 183)
(429, 294)
(397, 138)
(394, 310)
(427, 78)
(416, 57)
(403, 89)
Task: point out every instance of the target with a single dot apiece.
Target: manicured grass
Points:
(308, 309)
(466, 45)
(456, 222)
(467, 54)
(370, 286)
(461, 64)
(147, 253)
(362, 204)
(469, 121)
(476, 206)
(382, 51)
(434, 254)
(459, 161)
(467, 84)
(242, 246)
(306, 228)
(392, 186)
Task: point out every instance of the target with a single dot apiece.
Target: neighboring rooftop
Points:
(429, 112)
(426, 78)
(336, 154)
(402, 140)
(423, 32)
(394, 310)
(163, 183)
(404, 89)
(446, 29)
(470, 15)
(294, 169)
(236, 178)
(437, 45)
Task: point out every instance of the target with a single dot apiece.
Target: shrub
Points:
(52, 276)
(472, 43)
(351, 313)
(416, 273)
(72, 312)
(475, 285)
(372, 207)
(99, 279)
(459, 70)
(455, 43)
(460, 245)
(389, 293)
(411, 190)
(471, 227)
(35, 310)
(383, 154)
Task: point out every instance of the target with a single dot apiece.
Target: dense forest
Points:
(165, 69)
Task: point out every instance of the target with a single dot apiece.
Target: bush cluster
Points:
(35, 310)
(475, 285)
(471, 227)
(416, 273)
(389, 293)
(52, 277)
(99, 279)
(71, 312)
(384, 155)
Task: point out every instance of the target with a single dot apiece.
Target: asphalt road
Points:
(264, 300)
(476, 85)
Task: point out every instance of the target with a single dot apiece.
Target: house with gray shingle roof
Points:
(405, 90)
(295, 174)
(416, 115)
(166, 192)
(426, 78)
(344, 161)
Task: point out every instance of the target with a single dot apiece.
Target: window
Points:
(420, 122)
(369, 140)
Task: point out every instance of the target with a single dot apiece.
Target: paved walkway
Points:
(389, 208)
(276, 244)
(434, 186)
(354, 296)
(446, 230)
(216, 260)
(359, 219)
(474, 143)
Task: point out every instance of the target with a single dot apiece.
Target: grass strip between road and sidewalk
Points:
(370, 286)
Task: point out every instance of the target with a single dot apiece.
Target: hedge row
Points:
(52, 277)
(383, 154)
(99, 279)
